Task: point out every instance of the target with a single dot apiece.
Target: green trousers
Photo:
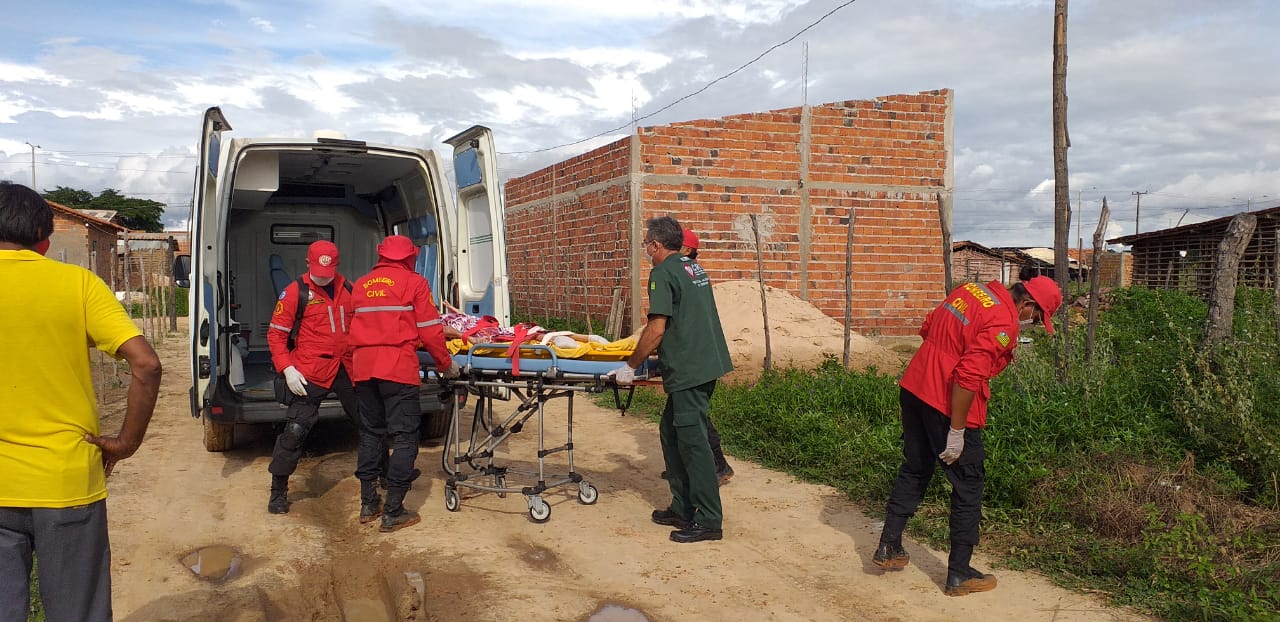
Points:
(691, 469)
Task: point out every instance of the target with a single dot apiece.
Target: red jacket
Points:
(968, 339)
(322, 339)
(393, 314)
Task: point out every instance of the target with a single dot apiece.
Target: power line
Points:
(690, 95)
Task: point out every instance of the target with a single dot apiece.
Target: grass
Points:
(36, 612)
(1151, 476)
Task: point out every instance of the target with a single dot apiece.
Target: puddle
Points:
(213, 563)
(365, 610)
(617, 613)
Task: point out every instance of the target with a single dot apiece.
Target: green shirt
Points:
(693, 351)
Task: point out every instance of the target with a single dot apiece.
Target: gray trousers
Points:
(75, 562)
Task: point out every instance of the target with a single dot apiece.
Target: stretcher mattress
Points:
(537, 365)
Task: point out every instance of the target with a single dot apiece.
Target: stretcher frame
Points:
(539, 380)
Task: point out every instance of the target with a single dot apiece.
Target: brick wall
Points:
(798, 174)
(969, 264)
(86, 245)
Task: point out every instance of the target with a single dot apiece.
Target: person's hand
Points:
(623, 375)
(955, 446)
(296, 381)
(454, 371)
(113, 450)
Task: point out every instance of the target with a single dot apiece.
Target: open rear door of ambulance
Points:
(206, 265)
(481, 237)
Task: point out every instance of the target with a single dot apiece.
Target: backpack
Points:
(283, 395)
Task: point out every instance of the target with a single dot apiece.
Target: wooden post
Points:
(1061, 189)
(764, 303)
(1094, 281)
(944, 219)
(1222, 300)
(848, 284)
(613, 326)
(586, 309)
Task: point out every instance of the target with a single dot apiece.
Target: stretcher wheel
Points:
(451, 500)
(500, 481)
(539, 511)
(587, 494)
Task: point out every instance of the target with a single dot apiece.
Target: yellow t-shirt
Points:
(50, 314)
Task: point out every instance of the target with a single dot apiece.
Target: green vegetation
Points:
(159, 304)
(1150, 476)
(136, 214)
(36, 612)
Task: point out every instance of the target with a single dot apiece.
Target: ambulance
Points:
(260, 202)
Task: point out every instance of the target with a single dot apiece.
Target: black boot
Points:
(279, 502)
(370, 502)
(891, 556)
(394, 516)
(961, 577)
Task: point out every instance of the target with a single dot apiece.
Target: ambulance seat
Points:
(279, 278)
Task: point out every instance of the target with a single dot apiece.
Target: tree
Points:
(136, 214)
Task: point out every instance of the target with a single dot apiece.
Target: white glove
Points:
(297, 382)
(624, 375)
(454, 371)
(955, 446)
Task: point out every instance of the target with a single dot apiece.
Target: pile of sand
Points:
(801, 336)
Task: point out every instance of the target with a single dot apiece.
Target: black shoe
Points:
(405, 518)
(370, 512)
(669, 518)
(694, 532)
(724, 474)
(891, 556)
(969, 582)
(279, 502)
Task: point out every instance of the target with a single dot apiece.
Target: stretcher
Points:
(535, 375)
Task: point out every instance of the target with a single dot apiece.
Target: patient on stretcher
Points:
(463, 331)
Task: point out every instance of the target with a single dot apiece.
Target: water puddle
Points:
(365, 610)
(617, 613)
(213, 563)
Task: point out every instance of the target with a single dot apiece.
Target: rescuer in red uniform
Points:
(393, 315)
(968, 340)
(314, 363)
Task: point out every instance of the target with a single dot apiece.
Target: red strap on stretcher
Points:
(521, 330)
(485, 321)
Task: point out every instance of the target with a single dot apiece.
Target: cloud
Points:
(262, 24)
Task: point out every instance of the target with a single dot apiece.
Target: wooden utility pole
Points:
(1137, 210)
(1222, 299)
(944, 219)
(1094, 277)
(848, 286)
(1061, 189)
(764, 299)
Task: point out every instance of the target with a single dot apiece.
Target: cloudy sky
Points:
(1178, 98)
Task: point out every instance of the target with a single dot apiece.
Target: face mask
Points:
(42, 246)
(321, 281)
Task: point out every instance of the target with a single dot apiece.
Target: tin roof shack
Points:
(84, 240)
(1184, 258)
(971, 261)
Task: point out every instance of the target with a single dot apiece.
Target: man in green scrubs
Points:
(684, 327)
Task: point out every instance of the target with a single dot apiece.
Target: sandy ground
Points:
(792, 551)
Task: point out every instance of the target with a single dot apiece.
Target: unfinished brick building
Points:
(574, 229)
(80, 238)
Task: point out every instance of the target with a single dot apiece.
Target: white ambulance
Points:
(259, 202)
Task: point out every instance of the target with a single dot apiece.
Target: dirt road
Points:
(792, 551)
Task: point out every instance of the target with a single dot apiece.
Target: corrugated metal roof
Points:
(1270, 212)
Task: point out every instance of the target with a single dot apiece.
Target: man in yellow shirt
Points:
(53, 462)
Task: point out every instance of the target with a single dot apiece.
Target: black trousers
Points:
(388, 408)
(924, 436)
(713, 438)
(302, 415)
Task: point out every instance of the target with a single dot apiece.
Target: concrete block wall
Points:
(798, 172)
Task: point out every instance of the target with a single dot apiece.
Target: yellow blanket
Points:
(612, 351)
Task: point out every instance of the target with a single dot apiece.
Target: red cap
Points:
(397, 247)
(322, 259)
(1046, 294)
(690, 239)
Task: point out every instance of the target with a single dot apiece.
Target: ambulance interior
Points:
(285, 198)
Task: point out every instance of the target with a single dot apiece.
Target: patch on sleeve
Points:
(279, 308)
(281, 295)
(1003, 339)
(653, 285)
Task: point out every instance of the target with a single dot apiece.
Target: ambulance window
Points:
(300, 234)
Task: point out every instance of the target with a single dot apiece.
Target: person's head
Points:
(663, 237)
(1037, 299)
(689, 246)
(398, 249)
(25, 217)
(322, 262)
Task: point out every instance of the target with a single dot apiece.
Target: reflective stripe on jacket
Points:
(968, 340)
(322, 338)
(392, 315)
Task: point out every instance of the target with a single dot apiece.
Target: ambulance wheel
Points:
(587, 494)
(435, 425)
(539, 511)
(451, 500)
(218, 436)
